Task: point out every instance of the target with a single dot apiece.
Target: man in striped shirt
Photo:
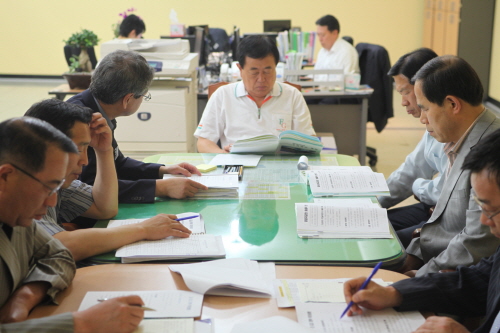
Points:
(99, 201)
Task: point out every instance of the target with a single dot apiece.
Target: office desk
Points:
(227, 311)
(266, 230)
(62, 90)
(347, 122)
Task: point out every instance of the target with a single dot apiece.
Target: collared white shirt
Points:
(231, 115)
(341, 55)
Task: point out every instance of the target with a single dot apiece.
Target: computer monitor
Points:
(277, 25)
(200, 45)
(236, 42)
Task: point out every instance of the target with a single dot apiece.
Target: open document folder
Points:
(287, 142)
(327, 221)
(198, 245)
(222, 185)
(229, 277)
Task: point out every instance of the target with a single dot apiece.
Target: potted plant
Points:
(77, 50)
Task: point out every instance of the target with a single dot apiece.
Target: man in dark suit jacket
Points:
(118, 87)
(469, 291)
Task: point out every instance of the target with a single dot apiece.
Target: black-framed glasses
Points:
(51, 189)
(486, 213)
(147, 97)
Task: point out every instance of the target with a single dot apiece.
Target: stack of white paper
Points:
(351, 181)
(229, 277)
(219, 186)
(325, 317)
(198, 245)
(329, 221)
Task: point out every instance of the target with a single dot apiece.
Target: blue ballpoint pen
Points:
(363, 286)
(186, 218)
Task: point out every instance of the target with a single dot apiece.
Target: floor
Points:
(397, 140)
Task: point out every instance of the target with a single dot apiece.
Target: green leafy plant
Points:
(83, 39)
(74, 66)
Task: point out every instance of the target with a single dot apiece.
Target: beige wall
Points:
(495, 59)
(33, 30)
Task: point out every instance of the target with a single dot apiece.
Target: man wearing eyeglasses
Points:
(258, 105)
(469, 291)
(449, 95)
(34, 266)
(119, 84)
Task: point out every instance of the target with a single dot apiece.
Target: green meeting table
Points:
(261, 224)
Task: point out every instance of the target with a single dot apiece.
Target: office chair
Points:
(374, 63)
(348, 39)
(219, 40)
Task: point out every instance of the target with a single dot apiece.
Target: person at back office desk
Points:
(99, 201)
(469, 291)
(450, 94)
(118, 86)
(258, 105)
(335, 52)
(34, 266)
(132, 27)
(415, 175)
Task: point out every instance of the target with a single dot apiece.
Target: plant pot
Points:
(78, 80)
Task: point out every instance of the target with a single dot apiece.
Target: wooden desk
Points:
(63, 90)
(227, 311)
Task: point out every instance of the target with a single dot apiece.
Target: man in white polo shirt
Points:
(335, 52)
(258, 105)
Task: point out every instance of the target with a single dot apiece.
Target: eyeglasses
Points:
(147, 97)
(484, 211)
(51, 189)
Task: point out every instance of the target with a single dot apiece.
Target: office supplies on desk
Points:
(178, 219)
(206, 167)
(326, 221)
(303, 163)
(287, 142)
(229, 277)
(229, 159)
(234, 170)
(168, 303)
(363, 286)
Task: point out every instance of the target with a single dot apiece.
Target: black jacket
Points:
(374, 64)
(136, 180)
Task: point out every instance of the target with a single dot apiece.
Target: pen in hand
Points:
(186, 218)
(139, 305)
(363, 286)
